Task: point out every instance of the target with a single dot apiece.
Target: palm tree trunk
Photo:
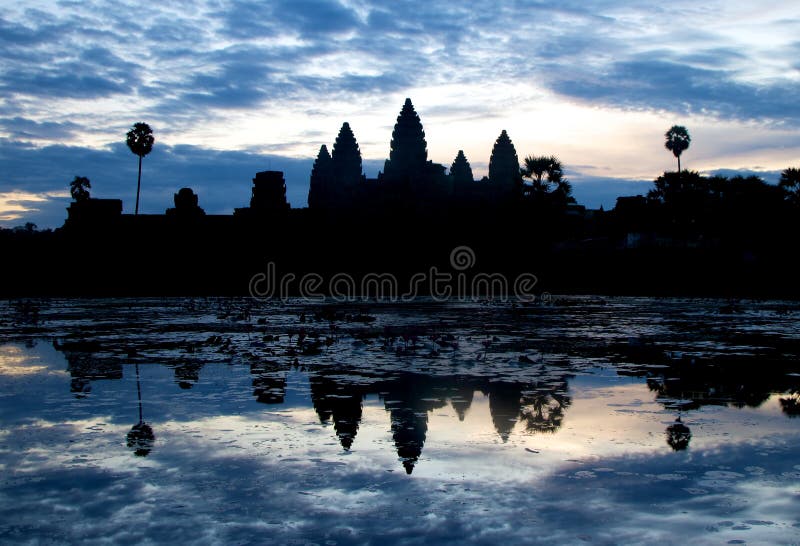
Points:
(139, 185)
(679, 165)
(139, 392)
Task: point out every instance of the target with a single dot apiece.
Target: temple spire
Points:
(504, 170)
(346, 158)
(321, 178)
(460, 170)
(409, 151)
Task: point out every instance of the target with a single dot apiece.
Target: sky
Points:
(231, 88)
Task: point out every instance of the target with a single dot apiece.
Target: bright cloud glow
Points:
(17, 204)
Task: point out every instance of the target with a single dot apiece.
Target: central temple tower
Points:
(409, 151)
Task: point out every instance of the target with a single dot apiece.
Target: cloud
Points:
(19, 128)
(314, 17)
(649, 82)
(239, 54)
(305, 19)
(20, 36)
(68, 80)
(53, 57)
(16, 205)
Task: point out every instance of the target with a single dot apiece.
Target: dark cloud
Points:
(18, 36)
(247, 20)
(306, 18)
(55, 60)
(714, 57)
(67, 81)
(80, 52)
(242, 76)
(354, 84)
(183, 33)
(236, 77)
(223, 94)
(20, 128)
(646, 82)
(315, 17)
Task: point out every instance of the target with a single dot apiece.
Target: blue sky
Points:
(234, 87)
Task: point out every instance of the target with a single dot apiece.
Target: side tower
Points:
(504, 173)
(268, 199)
(319, 191)
(186, 205)
(269, 192)
(346, 169)
(461, 171)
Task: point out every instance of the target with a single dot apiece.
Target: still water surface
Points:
(581, 420)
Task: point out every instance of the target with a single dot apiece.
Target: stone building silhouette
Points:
(186, 205)
(268, 197)
(409, 182)
(93, 212)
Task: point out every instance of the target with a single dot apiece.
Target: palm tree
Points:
(140, 141)
(78, 188)
(790, 184)
(678, 140)
(537, 167)
(534, 168)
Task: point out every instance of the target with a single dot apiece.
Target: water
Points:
(577, 420)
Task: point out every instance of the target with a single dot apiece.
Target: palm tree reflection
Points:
(141, 437)
(790, 404)
(678, 435)
(543, 410)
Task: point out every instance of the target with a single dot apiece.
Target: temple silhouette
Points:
(410, 185)
(690, 235)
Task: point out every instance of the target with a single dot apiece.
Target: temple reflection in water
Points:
(537, 404)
